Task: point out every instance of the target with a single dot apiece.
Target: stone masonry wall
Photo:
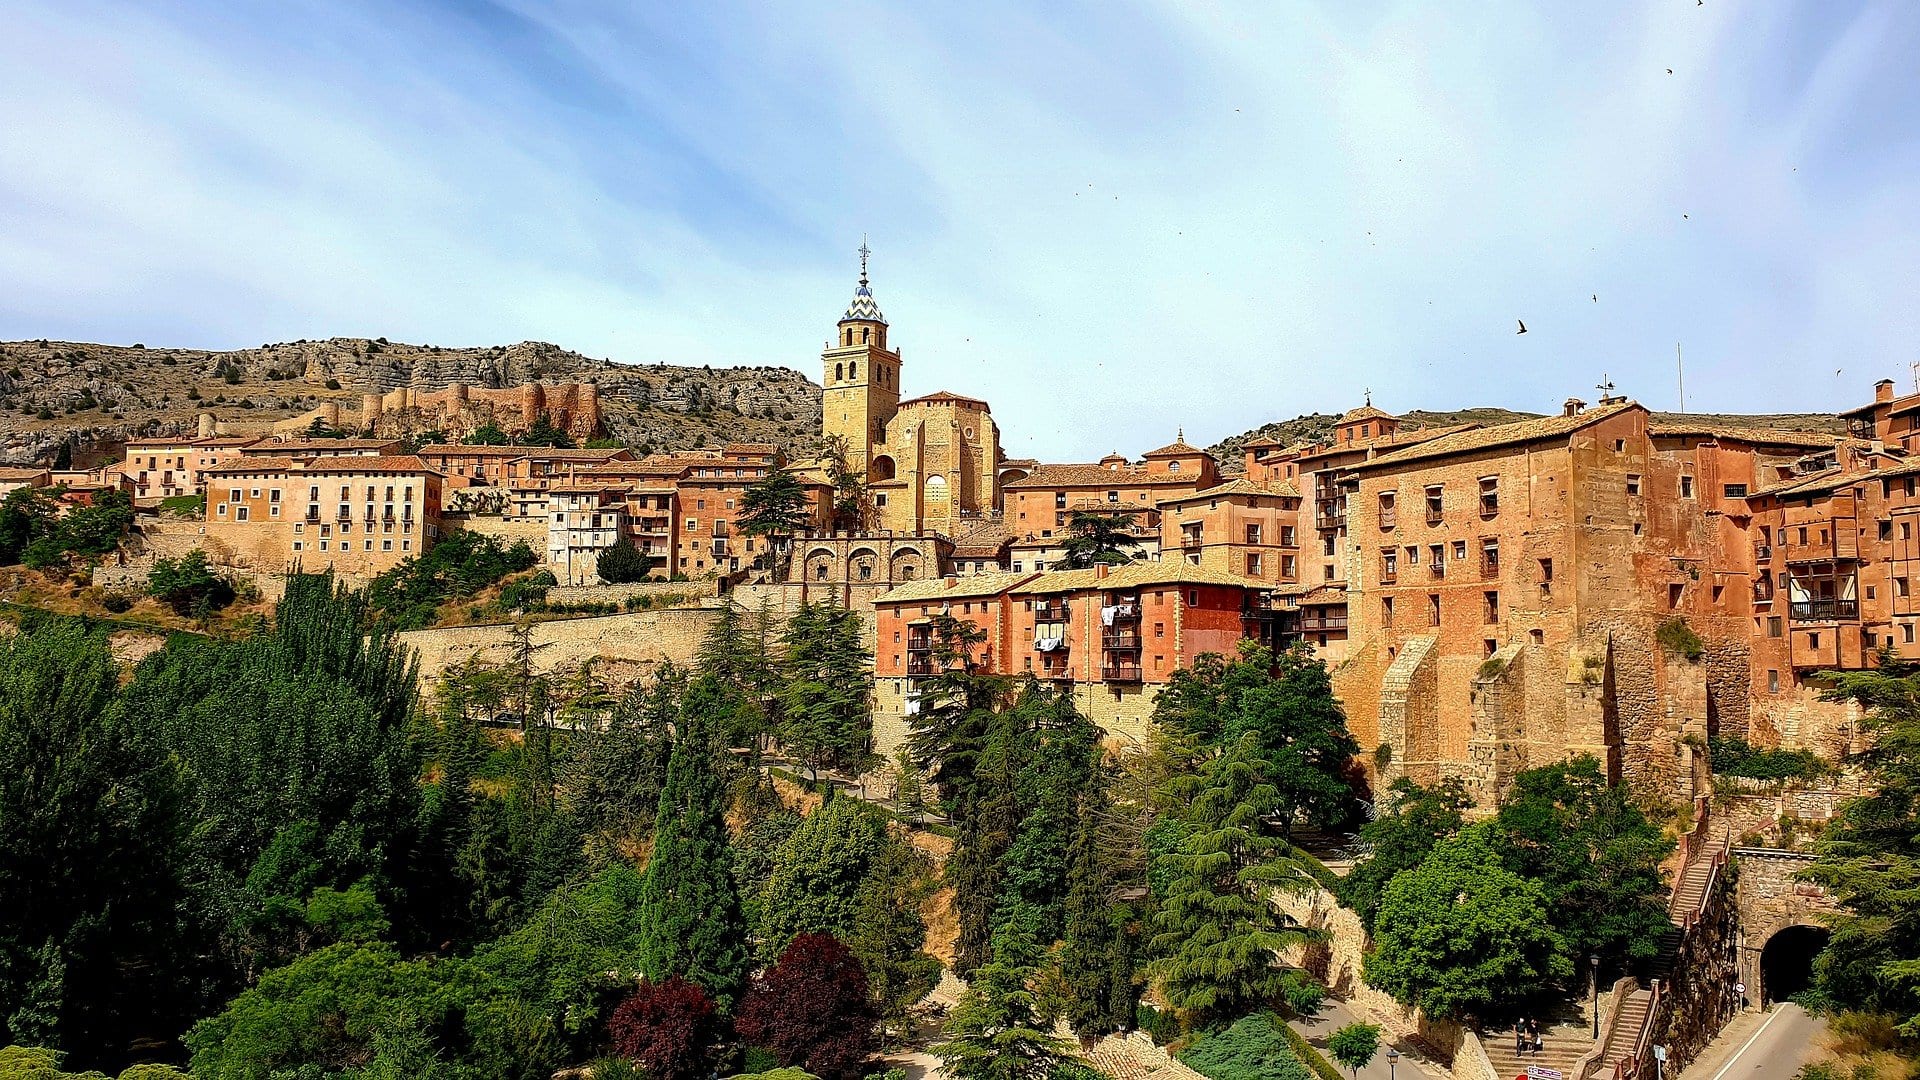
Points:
(1699, 998)
(627, 646)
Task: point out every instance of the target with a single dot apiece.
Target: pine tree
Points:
(996, 1031)
(1217, 932)
(888, 930)
(689, 912)
(622, 563)
(775, 507)
(826, 703)
(1094, 538)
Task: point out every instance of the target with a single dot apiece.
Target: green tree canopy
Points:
(1094, 538)
(1463, 936)
(1869, 855)
(1285, 702)
(1217, 933)
(1412, 820)
(689, 911)
(826, 705)
(996, 1031)
(776, 506)
(622, 563)
(1596, 854)
(818, 872)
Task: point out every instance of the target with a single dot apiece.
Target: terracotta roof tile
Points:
(249, 465)
(1280, 489)
(969, 587)
(1477, 439)
(1759, 436)
(1134, 575)
(1087, 475)
(943, 397)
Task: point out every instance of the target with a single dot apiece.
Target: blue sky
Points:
(1110, 219)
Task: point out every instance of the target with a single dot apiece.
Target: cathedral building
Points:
(931, 462)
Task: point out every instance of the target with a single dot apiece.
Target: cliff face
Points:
(97, 396)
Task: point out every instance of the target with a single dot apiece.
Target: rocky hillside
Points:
(1318, 427)
(100, 395)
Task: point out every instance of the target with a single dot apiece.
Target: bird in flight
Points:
(1596, 298)
(1523, 326)
(1669, 71)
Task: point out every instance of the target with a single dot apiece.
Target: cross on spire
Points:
(864, 252)
(1368, 394)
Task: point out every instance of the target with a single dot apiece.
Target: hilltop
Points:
(100, 395)
(1318, 427)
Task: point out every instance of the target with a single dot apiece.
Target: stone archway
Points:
(863, 566)
(1786, 961)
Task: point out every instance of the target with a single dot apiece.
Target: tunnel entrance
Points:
(1786, 962)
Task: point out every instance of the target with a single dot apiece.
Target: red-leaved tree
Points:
(670, 1027)
(811, 1010)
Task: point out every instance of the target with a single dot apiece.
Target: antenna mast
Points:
(1681, 367)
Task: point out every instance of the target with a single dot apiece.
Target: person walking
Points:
(1520, 1035)
(1539, 1043)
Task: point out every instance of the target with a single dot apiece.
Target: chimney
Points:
(1573, 407)
(952, 581)
(1100, 570)
(1883, 391)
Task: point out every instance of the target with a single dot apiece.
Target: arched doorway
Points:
(1786, 961)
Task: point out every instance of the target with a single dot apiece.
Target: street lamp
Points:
(1393, 1058)
(1593, 961)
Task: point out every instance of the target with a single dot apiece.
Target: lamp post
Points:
(1393, 1058)
(1593, 962)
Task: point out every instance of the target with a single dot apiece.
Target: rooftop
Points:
(970, 587)
(1477, 439)
(945, 397)
(1243, 486)
(1133, 575)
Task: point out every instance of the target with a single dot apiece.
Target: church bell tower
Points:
(861, 376)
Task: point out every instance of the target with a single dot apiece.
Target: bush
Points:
(1255, 1048)
(1312, 1058)
(189, 586)
(528, 592)
(1678, 638)
(1162, 1027)
(461, 564)
(622, 564)
(1734, 756)
(117, 602)
(333, 384)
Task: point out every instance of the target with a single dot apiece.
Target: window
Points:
(1537, 637)
(1327, 572)
(1253, 565)
(1437, 559)
(1813, 641)
(1906, 633)
(1386, 611)
(1775, 626)
(1433, 609)
(1389, 565)
(1493, 606)
(1173, 466)
(1113, 496)
(1899, 587)
(1488, 647)
(1886, 530)
(1674, 593)
(1546, 572)
(693, 525)
(1459, 550)
(1193, 597)
(1286, 536)
(1490, 558)
(1434, 504)
(1734, 491)
(1288, 566)
(1387, 516)
(1773, 681)
(1633, 484)
(1253, 534)
(240, 513)
(1686, 487)
(1159, 629)
(1489, 496)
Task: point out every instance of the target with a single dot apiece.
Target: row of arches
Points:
(865, 564)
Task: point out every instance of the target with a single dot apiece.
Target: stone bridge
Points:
(1781, 924)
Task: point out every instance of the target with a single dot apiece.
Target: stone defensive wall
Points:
(701, 592)
(624, 647)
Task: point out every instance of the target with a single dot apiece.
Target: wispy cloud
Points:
(1108, 219)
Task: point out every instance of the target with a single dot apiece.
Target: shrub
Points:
(1312, 1058)
(1734, 756)
(189, 586)
(333, 384)
(117, 602)
(1678, 638)
(1252, 1049)
(1162, 1027)
(621, 564)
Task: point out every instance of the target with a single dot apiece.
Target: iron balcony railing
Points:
(1122, 673)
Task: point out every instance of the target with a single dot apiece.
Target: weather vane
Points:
(863, 258)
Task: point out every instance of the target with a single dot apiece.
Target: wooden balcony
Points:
(1824, 610)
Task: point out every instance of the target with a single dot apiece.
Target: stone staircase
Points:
(1624, 1033)
(1563, 1044)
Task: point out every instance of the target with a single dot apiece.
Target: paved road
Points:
(1333, 1016)
(1774, 1048)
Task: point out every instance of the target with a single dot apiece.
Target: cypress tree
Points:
(1096, 958)
(689, 911)
(817, 874)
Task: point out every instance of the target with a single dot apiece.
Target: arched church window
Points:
(839, 372)
(853, 370)
(866, 335)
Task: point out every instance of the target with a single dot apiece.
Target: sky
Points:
(1114, 221)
